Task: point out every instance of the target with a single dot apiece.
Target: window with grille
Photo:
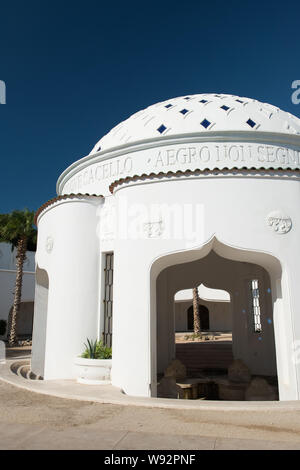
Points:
(108, 299)
(255, 306)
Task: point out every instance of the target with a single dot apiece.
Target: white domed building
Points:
(200, 189)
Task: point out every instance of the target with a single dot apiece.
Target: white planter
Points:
(93, 371)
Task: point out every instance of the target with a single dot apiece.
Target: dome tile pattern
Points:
(197, 114)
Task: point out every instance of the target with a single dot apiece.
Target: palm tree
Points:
(196, 311)
(17, 228)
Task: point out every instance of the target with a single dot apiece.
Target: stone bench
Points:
(188, 391)
(201, 388)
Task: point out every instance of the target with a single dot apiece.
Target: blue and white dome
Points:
(198, 114)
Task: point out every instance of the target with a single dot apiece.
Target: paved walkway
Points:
(38, 415)
(34, 421)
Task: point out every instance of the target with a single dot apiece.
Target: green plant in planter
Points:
(3, 325)
(96, 350)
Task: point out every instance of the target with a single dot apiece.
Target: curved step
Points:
(22, 369)
(31, 375)
(19, 371)
(14, 367)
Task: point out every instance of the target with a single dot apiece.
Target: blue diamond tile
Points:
(187, 98)
(225, 107)
(203, 101)
(168, 106)
(251, 123)
(205, 123)
(239, 101)
(161, 129)
(184, 111)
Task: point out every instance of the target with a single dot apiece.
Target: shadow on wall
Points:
(25, 318)
(40, 322)
(204, 317)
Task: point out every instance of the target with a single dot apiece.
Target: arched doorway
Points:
(221, 267)
(204, 318)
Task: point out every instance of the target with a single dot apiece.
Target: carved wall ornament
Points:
(279, 222)
(154, 229)
(49, 244)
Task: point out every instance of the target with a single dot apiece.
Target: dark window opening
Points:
(108, 299)
(204, 318)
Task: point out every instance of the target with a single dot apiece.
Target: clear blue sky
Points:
(73, 70)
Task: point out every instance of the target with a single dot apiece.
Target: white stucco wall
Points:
(8, 258)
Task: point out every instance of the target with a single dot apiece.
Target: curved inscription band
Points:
(95, 173)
